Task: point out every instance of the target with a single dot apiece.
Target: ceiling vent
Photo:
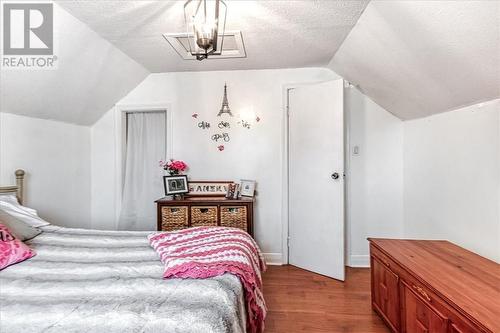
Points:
(233, 45)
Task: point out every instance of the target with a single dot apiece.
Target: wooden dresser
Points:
(434, 286)
(205, 211)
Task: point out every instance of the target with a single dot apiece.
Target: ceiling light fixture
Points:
(205, 23)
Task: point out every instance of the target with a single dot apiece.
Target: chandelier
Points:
(205, 23)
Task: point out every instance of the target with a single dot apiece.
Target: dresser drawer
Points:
(174, 218)
(234, 216)
(418, 313)
(459, 326)
(203, 216)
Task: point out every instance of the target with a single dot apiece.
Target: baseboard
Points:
(273, 259)
(362, 260)
(276, 259)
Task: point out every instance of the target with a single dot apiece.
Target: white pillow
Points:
(25, 214)
(20, 229)
(9, 198)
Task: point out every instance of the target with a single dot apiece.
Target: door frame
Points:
(285, 212)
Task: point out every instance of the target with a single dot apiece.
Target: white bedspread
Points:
(111, 281)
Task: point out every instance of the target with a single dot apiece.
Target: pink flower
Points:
(195, 115)
(221, 147)
(178, 165)
(173, 166)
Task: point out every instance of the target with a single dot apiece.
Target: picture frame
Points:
(208, 188)
(174, 185)
(232, 191)
(247, 188)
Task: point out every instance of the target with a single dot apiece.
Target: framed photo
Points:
(175, 184)
(247, 188)
(208, 188)
(232, 191)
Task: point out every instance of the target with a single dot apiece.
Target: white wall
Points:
(452, 177)
(103, 174)
(55, 157)
(375, 175)
(251, 154)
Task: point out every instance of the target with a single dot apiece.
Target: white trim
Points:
(359, 260)
(121, 111)
(284, 180)
(347, 173)
(273, 259)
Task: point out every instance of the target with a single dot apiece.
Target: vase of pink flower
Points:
(174, 167)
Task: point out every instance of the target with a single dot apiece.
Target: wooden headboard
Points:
(18, 188)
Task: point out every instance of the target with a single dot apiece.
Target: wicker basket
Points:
(203, 216)
(174, 218)
(234, 216)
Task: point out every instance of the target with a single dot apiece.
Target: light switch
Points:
(355, 150)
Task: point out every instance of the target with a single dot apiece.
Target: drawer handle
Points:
(174, 210)
(232, 210)
(422, 292)
(204, 210)
(386, 263)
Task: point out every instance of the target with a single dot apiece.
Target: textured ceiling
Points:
(276, 34)
(416, 58)
(92, 75)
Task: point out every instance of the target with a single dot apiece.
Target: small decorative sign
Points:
(224, 124)
(204, 124)
(221, 136)
(208, 188)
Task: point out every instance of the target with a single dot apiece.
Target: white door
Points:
(316, 182)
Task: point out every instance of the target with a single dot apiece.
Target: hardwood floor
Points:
(301, 301)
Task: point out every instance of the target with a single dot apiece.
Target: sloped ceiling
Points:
(417, 58)
(276, 34)
(413, 58)
(92, 75)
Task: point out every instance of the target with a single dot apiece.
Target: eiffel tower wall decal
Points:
(225, 105)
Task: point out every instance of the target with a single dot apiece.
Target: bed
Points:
(110, 281)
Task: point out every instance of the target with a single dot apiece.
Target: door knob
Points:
(335, 175)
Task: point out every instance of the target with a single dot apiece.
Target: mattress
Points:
(111, 281)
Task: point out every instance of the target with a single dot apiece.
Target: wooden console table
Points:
(434, 286)
(205, 211)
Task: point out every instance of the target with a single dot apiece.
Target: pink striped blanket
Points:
(204, 252)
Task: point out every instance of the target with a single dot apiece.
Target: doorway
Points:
(144, 138)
